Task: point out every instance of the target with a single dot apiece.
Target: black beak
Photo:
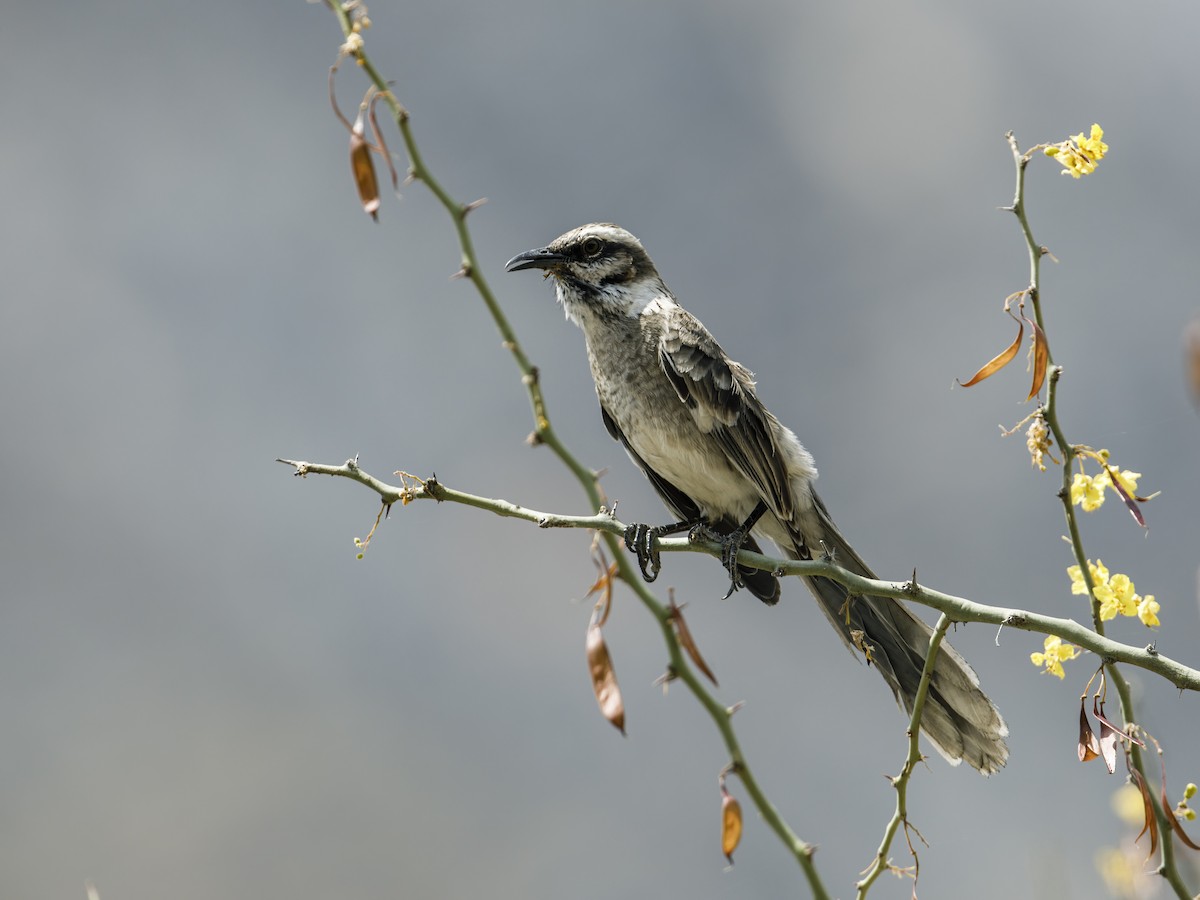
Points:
(534, 259)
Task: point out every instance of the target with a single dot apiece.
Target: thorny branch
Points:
(1168, 867)
(959, 609)
(544, 434)
(953, 609)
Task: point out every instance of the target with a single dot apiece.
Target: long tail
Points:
(958, 717)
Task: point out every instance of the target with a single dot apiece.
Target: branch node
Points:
(433, 488)
(912, 588)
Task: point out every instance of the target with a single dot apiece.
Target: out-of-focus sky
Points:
(204, 694)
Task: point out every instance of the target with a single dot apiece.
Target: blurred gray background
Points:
(204, 694)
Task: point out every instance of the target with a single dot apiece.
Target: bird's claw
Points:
(731, 546)
(639, 538)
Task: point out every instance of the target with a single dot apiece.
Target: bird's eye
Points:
(592, 247)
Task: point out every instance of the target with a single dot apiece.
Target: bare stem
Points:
(882, 862)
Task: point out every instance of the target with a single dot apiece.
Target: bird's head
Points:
(598, 269)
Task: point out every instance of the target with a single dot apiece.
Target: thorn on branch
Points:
(433, 488)
(468, 208)
(912, 588)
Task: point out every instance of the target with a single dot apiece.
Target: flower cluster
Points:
(1088, 490)
(1054, 655)
(1079, 154)
(1115, 594)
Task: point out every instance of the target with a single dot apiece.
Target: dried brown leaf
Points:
(603, 585)
(997, 362)
(1108, 745)
(1089, 747)
(383, 149)
(1041, 356)
(687, 642)
(604, 679)
(1121, 733)
(1176, 825)
(1148, 804)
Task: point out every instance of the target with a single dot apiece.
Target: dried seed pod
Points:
(363, 168)
(604, 679)
(731, 824)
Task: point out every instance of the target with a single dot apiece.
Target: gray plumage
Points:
(690, 419)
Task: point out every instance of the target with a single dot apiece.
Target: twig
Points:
(900, 782)
(1168, 868)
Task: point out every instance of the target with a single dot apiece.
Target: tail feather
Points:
(958, 718)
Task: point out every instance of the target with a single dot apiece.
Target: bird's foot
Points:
(643, 541)
(640, 538)
(731, 546)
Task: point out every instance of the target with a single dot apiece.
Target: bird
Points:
(690, 418)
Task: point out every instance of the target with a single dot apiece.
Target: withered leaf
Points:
(731, 824)
(687, 642)
(604, 586)
(998, 362)
(1151, 822)
(1176, 825)
(1124, 735)
(1108, 745)
(604, 679)
(1089, 747)
(1041, 356)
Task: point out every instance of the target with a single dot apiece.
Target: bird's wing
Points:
(720, 394)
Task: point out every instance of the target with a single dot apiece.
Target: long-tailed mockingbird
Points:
(688, 416)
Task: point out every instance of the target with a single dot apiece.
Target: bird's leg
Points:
(731, 544)
(640, 538)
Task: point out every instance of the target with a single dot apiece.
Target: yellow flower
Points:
(1128, 480)
(1088, 491)
(1097, 570)
(1056, 652)
(1092, 146)
(1116, 594)
(1079, 155)
(1117, 599)
(1147, 611)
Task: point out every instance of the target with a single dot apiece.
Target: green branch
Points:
(544, 434)
(959, 609)
(1168, 868)
(900, 782)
